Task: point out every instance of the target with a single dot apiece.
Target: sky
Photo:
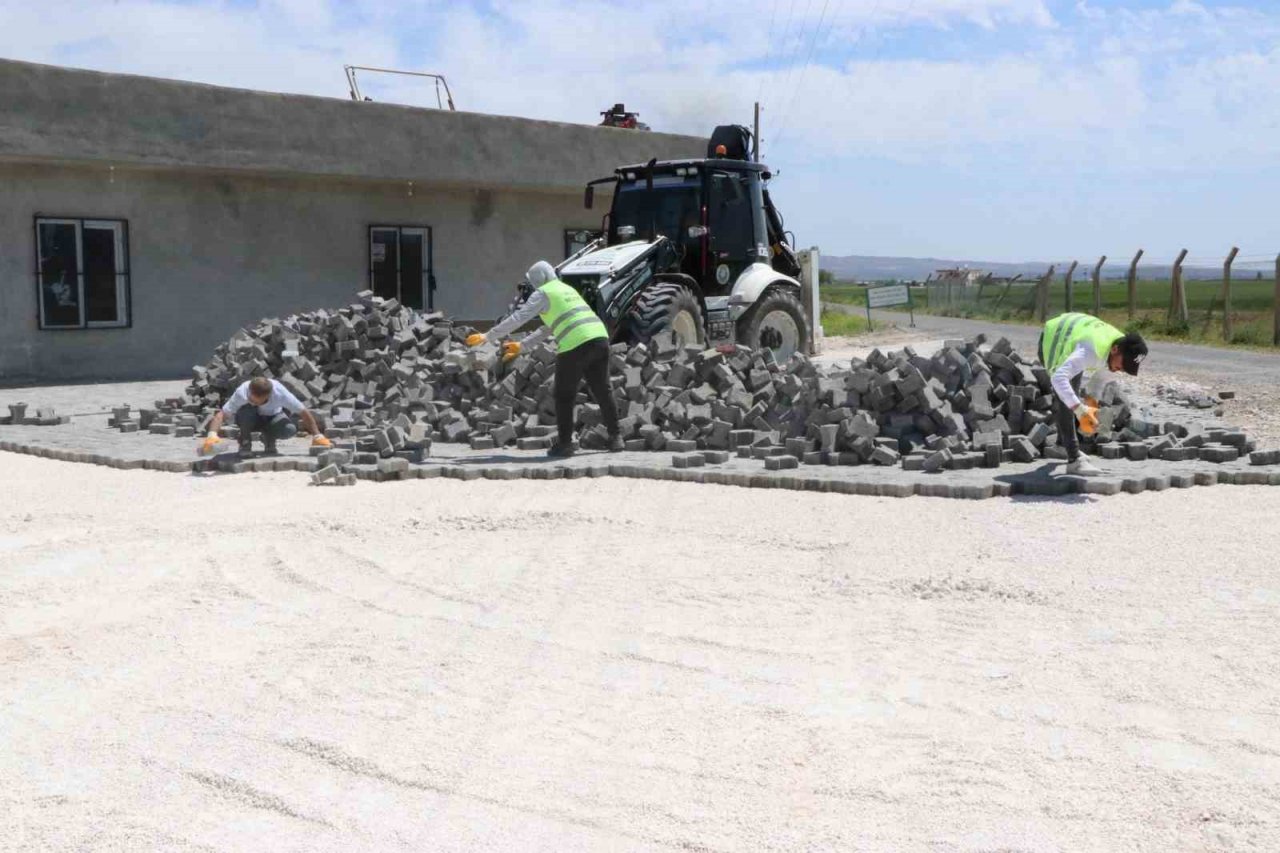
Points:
(1004, 130)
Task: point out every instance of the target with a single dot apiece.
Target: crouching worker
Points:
(263, 405)
(582, 350)
(1071, 344)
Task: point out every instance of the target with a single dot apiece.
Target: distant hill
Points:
(879, 268)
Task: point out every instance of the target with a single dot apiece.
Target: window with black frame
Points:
(82, 273)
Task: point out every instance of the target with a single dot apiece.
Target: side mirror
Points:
(696, 231)
(589, 197)
(626, 232)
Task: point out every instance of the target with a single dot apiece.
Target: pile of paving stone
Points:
(389, 381)
(20, 415)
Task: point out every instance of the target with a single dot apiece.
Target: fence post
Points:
(1226, 293)
(1133, 283)
(1178, 296)
(1276, 336)
(1097, 286)
(1042, 295)
(1008, 284)
(1071, 271)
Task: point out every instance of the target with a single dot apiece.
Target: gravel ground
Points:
(248, 663)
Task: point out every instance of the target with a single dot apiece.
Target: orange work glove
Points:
(510, 350)
(1087, 416)
(321, 441)
(209, 445)
(477, 339)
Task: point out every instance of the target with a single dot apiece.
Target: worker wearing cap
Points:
(263, 405)
(1071, 344)
(582, 350)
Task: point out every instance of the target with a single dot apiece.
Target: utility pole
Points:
(755, 135)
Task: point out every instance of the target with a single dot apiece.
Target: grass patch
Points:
(847, 294)
(843, 325)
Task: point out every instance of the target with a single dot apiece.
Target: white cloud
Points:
(1143, 93)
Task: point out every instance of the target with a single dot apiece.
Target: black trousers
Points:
(1064, 418)
(589, 361)
(1066, 421)
(272, 428)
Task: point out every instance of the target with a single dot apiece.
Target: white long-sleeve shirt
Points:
(1081, 359)
(536, 304)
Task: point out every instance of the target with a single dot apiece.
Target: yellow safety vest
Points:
(1063, 333)
(569, 317)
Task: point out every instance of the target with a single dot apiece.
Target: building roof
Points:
(54, 114)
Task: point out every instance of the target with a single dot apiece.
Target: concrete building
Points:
(143, 221)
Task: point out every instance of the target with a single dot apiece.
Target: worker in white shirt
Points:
(263, 405)
(1069, 345)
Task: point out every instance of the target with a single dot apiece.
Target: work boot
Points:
(561, 451)
(245, 450)
(1082, 467)
(269, 447)
(615, 444)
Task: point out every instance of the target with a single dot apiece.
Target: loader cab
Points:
(712, 211)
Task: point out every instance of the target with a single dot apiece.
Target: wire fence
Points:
(1234, 298)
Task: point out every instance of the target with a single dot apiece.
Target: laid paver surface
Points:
(88, 439)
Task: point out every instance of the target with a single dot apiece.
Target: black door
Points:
(400, 264)
(732, 242)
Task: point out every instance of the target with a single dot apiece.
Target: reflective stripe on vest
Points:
(1064, 333)
(570, 319)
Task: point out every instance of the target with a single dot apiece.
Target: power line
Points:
(799, 45)
(906, 13)
(813, 42)
(768, 49)
(786, 28)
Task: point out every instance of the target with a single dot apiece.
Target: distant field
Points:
(1252, 304)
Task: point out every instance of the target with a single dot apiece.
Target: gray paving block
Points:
(992, 456)
(936, 461)
(781, 463)
(325, 474)
(1264, 457)
(688, 460)
(884, 456)
(393, 465)
(1219, 453)
(1023, 449)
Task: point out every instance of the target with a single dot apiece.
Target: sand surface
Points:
(250, 663)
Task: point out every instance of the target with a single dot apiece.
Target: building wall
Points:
(211, 252)
(49, 113)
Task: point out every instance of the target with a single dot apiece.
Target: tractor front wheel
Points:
(666, 307)
(776, 323)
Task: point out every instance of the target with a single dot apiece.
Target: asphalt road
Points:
(1186, 360)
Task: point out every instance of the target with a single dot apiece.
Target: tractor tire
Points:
(776, 323)
(666, 307)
